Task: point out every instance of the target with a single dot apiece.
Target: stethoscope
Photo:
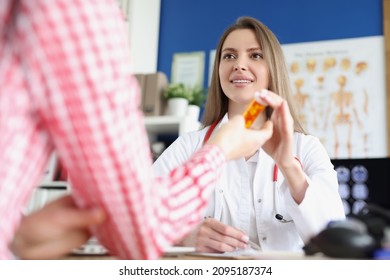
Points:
(275, 174)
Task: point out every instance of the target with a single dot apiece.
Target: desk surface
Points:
(202, 256)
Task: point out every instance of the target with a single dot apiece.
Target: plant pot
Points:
(193, 111)
(177, 107)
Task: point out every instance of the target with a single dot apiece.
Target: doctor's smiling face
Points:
(242, 69)
(248, 58)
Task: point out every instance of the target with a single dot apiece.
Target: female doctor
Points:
(287, 191)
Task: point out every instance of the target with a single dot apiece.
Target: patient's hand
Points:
(54, 230)
(212, 236)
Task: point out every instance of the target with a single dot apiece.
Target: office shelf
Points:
(170, 125)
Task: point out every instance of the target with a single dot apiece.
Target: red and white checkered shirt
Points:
(66, 84)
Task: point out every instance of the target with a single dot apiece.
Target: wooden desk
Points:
(197, 256)
(258, 256)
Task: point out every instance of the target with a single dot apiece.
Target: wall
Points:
(187, 26)
(142, 19)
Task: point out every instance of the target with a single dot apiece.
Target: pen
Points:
(254, 245)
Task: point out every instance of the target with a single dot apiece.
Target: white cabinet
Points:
(169, 125)
(45, 193)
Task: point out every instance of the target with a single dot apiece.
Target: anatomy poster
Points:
(339, 90)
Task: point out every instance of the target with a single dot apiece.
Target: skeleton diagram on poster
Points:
(339, 90)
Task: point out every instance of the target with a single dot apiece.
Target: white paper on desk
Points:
(175, 250)
(279, 255)
(256, 254)
(236, 253)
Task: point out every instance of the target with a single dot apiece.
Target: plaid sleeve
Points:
(78, 71)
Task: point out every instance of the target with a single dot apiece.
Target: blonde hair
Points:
(217, 102)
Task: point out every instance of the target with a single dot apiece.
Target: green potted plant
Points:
(178, 97)
(197, 96)
(177, 90)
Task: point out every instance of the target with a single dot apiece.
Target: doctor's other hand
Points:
(212, 236)
(280, 146)
(237, 141)
(54, 230)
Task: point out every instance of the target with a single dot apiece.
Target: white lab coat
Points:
(245, 200)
